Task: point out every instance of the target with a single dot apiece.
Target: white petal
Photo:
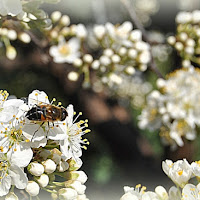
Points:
(13, 7)
(13, 102)
(22, 156)
(5, 186)
(19, 178)
(37, 97)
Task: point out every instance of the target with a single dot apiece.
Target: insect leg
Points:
(37, 130)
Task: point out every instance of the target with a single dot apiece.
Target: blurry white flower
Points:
(73, 76)
(161, 192)
(32, 188)
(43, 180)
(65, 20)
(24, 37)
(196, 168)
(56, 15)
(88, 58)
(67, 194)
(49, 166)
(36, 168)
(65, 51)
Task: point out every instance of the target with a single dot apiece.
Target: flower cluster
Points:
(174, 109)
(186, 41)
(123, 51)
(180, 172)
(38, 142)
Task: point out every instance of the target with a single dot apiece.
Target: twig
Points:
(139, 26)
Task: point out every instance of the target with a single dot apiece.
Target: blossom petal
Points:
(5, 185)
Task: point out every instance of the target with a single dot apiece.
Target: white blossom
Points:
(32, 188)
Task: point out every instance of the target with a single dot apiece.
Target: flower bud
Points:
(49, 166)
(54, 196)
(99, 31)
(104, 60)
(76, 176)
(115, 58)
(108, 52)
(171, 40)
(62, 166)
(81, 31)
(36, 168)
(88, 58)
(11, 196)
(95, 65)
(24, 37)
(144, 57)
(73, 76)
(73, 166)
(130, 70)
(161, 192)
(67, 194)
(132, 53)
(122, 51)
(82, 197)
(136, 35)
(77, 62)
(43, 180)
(12, 34)
(55, 16)
(11, 52)
(32, 188)
(76, 185)
(65, 20)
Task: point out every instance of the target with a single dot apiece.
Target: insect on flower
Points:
(45, 112)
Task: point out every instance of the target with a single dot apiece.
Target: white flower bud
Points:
(73, 76)
(189, 50)
(171, 40)
(130, 70)
(24, 37)
(126, 27)
(179, 46)
(67, 194)
(190, 42)
(99, 31)
(43, 180)
(136, 35)
(11, 52)
(12, 34)
(198, 32)
(183, 17)
(78, 62)
(65, 20)
(81, 31)
(132, 53)
(186, 63)
(11, 196)
(108, 52)
(196, 16)
(4, 31)
(104, 60)
(122, 51)
(62, 166)
(161, 192)
(65, 31)
(88, 58)
(144, 57)
(32, 188)
(36, 168)
(95, 65)
(55, 16)
(115, 78)
(183, 36)
(54, 34)
(115, 58)
(160, 83)
(49, 166)
(142, 46)
(143, 67)
(76, 185)
(77, 176)
(165, 118)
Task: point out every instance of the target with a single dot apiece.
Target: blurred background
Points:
(119, 153)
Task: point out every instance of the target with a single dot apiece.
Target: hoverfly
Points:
(44, 112)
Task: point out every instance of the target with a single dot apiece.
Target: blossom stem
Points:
(51, 146)
(50, 191)
(59, 184)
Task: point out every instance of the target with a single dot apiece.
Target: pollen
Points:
(84, 147)
(15, 149)
(46, 97)
(54, 99)
(74, 113)
(36, 94)
(180, 172)
(64, 123)
(59, 103)
(27, 140)
(80, 113)
(138, 186)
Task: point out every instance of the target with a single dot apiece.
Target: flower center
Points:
(64, 50)
(3, 168)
